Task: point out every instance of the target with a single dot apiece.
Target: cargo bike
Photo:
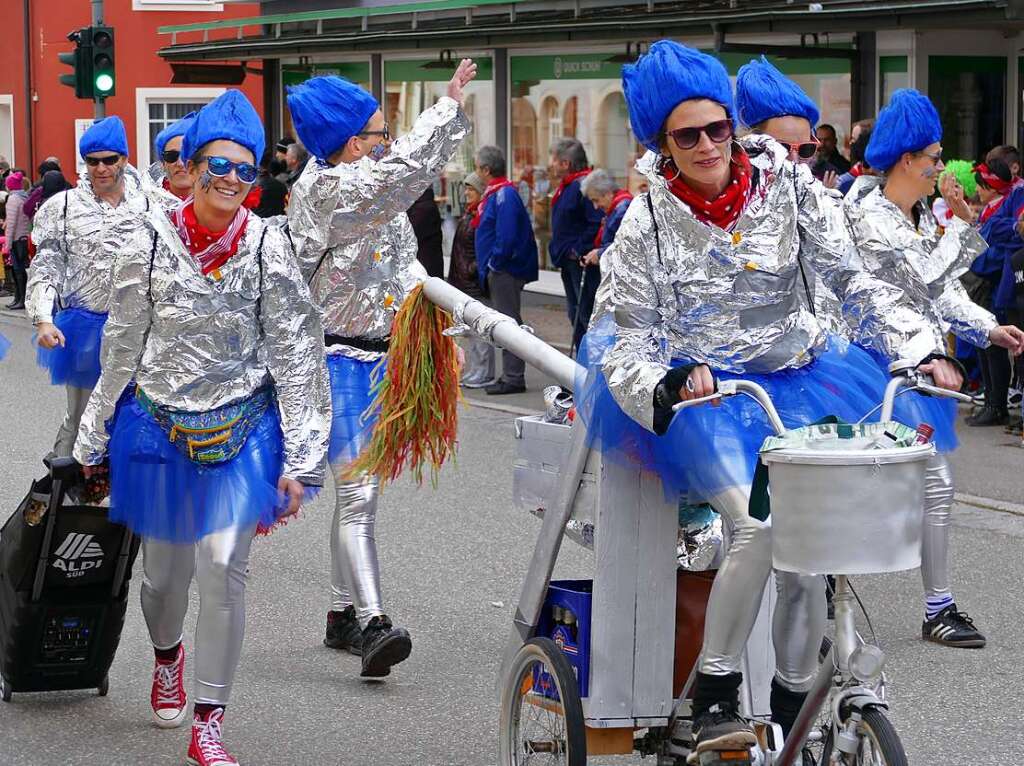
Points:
(599, 667)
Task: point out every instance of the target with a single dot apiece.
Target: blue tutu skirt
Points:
(352, 383)
(710, 448)
(160, 494)
(912, 409)
(77, 362)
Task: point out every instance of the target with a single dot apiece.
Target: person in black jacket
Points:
(273, 193)
(426, 222)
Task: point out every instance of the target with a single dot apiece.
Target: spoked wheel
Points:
(878, 743)
(541, 713)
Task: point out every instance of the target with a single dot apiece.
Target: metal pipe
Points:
(813, 703)
(506, 332)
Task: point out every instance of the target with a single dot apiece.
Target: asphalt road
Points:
(452, 561)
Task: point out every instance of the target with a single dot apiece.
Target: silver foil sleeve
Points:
(48, 269)
(333, 206)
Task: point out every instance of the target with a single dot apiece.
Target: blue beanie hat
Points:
(107, 135)
(909, 123)
(763, 92)
(173, 130)
(327, 111)
(229, 117)
(664, 77)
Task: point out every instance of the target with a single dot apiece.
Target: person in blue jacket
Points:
(506, 255)
(574, 224)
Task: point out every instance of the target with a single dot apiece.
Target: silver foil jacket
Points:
(735, 300)
(924, 261)
(71, 268)
(194, 343)
(348, 224)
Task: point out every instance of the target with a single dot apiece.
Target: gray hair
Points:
(299, 151)
(597, 183)
(572, 151)
(492, 158)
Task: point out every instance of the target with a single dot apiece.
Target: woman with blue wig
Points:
(225, 414)
(357, 250)
(707, 278)
(901, 242)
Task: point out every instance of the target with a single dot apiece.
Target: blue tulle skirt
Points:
(912, 409)
(160, 494)
(4, 345)
(352, 382)
(710, 448)
(77, 362)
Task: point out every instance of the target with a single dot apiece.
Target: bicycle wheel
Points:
(879, 743)
(541, 713)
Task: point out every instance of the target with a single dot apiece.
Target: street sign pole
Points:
(97, 20)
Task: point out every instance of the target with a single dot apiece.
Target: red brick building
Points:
(40, 117)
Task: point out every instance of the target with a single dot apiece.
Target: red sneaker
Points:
(168, 699)
(206, 748)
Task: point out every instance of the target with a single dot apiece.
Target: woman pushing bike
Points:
(900, 242)
(709, 277)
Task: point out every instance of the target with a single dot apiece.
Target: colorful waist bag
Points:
(210, 438)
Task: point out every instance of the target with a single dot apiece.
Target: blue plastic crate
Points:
(576, 596)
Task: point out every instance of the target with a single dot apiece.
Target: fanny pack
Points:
(210, 438)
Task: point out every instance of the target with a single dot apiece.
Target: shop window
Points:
(969, 93)
(893, 75)
(156, 108)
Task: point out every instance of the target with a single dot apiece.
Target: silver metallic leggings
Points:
(68, 432)
(355, 572)
(938, 501)
(219, 563)
(799, 619)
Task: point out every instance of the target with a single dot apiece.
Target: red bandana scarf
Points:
(211, 248)
(725, 209)
(620, 196)
(565, 182)
(492, 187)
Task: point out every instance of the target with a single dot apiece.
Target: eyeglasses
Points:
(222, 166)
(385, 133)
(171, 156)
(719, 131)
(804, 151)
(935, 158)
(108, 161)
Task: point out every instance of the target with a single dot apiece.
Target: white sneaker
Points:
(1014, 398)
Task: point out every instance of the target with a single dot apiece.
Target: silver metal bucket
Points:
(847, 511)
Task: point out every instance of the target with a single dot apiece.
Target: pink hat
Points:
(15, 182)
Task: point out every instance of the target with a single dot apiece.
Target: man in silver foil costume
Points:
(167, 179)
(213, 322)
(706, 268)
(357, 250)
(901, 242)
(69, 280)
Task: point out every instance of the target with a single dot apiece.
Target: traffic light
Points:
(77, 60)
(102, 59)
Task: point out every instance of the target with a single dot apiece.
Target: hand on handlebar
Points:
(699, 384)
(1008, 337)
(944, 373)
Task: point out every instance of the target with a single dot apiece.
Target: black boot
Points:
(384, 645)
(990, 416)
(343, 632)
(786, 706)
(20, 282)
(717, 724)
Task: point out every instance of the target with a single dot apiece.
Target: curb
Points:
(510, 409)
(990, 504)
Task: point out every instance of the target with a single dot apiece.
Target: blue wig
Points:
(667, 75)
(327, 111)
(763, 92)
(229, 117)
(173, 130)
(909, 123)
(107, 135)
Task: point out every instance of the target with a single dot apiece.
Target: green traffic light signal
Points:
(102, 54)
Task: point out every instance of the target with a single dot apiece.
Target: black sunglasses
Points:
(718, 131)
(804, 151)
(108, 161)
(171, 156)
(385, 133)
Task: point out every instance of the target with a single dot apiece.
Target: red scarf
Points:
(492, 187)
(991, 208)
(725, 209)
(857, 170)
(620, 196)
(252, 199)
(211, 248)
(565, 182)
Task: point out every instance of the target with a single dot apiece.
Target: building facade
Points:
(40, 117)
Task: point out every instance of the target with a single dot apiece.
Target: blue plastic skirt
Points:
(352, 382)
(77, 362)
(710, 448)
(912, 409)
(160, 494)
(4, 345)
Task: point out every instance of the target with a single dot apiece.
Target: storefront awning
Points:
(434, 24)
